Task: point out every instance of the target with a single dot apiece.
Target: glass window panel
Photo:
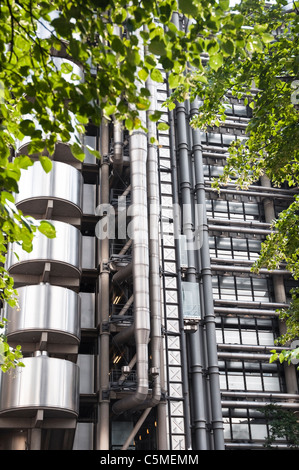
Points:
(249, 337)
(254, 382)
(235, 381)
(219, 337)
(266, 338)
(226, 427)
(240, 110)
(252, 209)
(214, 138)
(220, 206)
(228, 108)
(223, 243)
(227, 281)
(216, 170)
(258, 431)
(243, 283)
(227, 139)
(240, 430)
(231, 336)
(222, 382)
(236, 207)
(239, 244)
(259, 284)
(271, 384)
(254, 245)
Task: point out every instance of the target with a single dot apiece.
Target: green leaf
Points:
(173, 80)
(254, 44)
(157, 46)
(188, 8)
(143, 74)
(150, 61)
(224, 4)
(228, 47)
(162, 126)
(27, 127)
(110, 109)
(66, 68)
(78, 152)
(238, 20)
(157, 76)
(46, 163)
(266, 37)
(155, 116)
(216, 61)
(47, 229)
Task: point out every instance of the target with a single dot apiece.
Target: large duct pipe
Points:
(104, 302)
(118, 144)
(209, 314)
(154, 258)
(117, 160)
(124, 273)
(140, 260)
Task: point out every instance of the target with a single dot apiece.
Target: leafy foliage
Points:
(265, 76)
(46, 102)
(283, 425)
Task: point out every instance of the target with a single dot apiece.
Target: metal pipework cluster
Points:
(143, 271)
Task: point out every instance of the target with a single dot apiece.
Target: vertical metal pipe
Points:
(209, 315)
(140, 260)
(186, 187)
(102, 441)
(176, 229)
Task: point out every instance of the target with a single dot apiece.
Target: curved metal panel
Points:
(44, 383)
(45, 308)
(63, 184)
(65, 249)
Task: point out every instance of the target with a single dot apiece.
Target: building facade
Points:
(141, 324)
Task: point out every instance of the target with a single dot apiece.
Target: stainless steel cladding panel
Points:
(44, 383)
(45, 308)
(62, 182)
(65, 248)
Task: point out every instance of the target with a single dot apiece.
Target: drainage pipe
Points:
(140, 260)
(195, 339)
(204, 261)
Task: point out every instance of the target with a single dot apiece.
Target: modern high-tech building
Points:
(141, 324)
